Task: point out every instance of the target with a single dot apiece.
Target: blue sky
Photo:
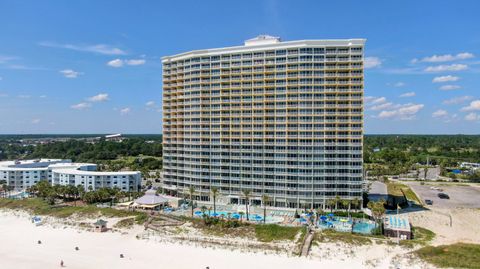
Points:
(94, 66)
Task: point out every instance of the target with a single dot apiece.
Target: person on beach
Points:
(39, 242)
(61, 263)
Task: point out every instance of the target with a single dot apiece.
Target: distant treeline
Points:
(81, 151)
(396, 151)
(395, 154)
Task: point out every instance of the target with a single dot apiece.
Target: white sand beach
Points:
(19, 249)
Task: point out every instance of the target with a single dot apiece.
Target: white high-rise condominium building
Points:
(283, 119)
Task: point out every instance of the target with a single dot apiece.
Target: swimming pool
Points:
(363, 227)
(235, 215)
(347, 225)
(19, 195)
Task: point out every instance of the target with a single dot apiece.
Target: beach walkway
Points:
(307, 243)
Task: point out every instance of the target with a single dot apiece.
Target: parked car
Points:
(443, 195)
(428, 202)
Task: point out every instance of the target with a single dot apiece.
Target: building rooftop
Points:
(151, 198)
(397, 223)
(263, 42)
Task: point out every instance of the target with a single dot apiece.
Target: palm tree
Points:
(331, 203)
(246, 194)
(319, 212)
(377, 208)
(265, 200)
(214, 191)
(241, 215)
(4, 189)
(191, 192)
(356, 203)
(203, 209)
(337, 201)
(346, 204)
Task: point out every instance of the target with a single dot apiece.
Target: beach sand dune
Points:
(19, 250)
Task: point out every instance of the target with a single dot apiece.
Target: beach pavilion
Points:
(100, 226)
(151, 201)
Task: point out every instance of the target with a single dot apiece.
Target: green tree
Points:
(191, 192)
(337, 201)
(265, 201)
(247, 194)
(331, 203)
(214, 191)
(346, 205)
(377, 208)
(356, 203)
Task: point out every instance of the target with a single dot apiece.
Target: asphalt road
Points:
(460, 196)
(378, 190)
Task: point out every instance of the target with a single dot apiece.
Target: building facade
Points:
(23, 174)
(284, 119)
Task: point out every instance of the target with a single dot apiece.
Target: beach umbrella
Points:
(236, 216)
(257, 218)
(331, 215)
(198, 213)
(324, 218)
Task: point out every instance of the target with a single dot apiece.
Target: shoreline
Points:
(19, 249)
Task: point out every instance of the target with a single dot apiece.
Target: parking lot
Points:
(460, 196)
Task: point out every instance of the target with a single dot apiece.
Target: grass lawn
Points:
(39, 207)
(273, 232)
(348, 238)
(421, 236)
(457, 256)
(395, 189)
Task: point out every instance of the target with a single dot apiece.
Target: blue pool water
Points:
(360, 226)
(363, 227)
(20, 195)
(252, 217)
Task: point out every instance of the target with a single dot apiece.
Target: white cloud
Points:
(408, 94)
(135, 61)
(115, 63)
(150, 103)
(449, 87)
(81, 106)
(5, 59)
(120, 62)
(24, 96)
(440, 113)
(442, 79)
(381, 106)
(35, 121)
(125, 111)
(101, 97)
(474, 105)
(447, 57)
(97, 48)
(69, 73)
(457, 100)
(472, 117)
(443, 68)
(371, 100)
(403, 112)
(399, 84)
(372, 62)
(43, 96)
